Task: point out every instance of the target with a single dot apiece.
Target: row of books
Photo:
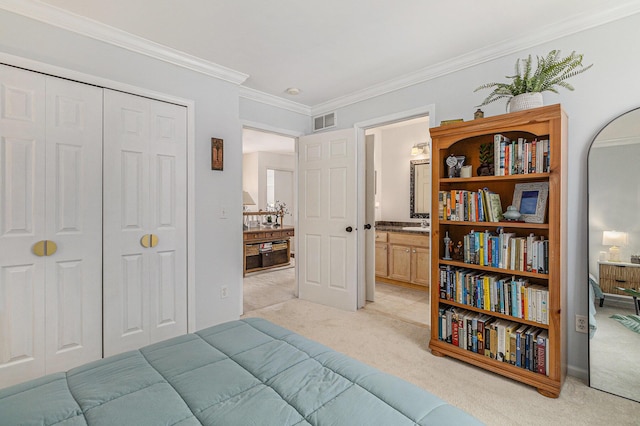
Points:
(482, 205)
(506, 341)
(519, 156)
(512, 296)
(507, 250)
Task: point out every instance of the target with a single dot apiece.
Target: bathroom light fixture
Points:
(293, 91)
(421, 148)
(614, 239)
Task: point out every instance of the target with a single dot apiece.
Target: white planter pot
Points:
(525, 101)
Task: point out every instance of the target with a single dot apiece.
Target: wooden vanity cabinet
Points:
(403, 259)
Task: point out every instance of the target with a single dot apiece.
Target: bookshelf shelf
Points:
(546, 349)
(492, 269)
(482, 225)
(494, 314)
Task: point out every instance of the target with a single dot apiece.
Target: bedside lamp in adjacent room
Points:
(246, 201)
(615, 240)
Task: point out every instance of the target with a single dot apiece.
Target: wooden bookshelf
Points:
(550, 123)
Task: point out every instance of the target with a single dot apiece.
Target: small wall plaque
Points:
(217, 154)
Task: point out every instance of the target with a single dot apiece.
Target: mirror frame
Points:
(589, 355)
(412, 183)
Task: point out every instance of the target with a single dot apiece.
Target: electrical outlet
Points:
(224, 292)
(581, 324)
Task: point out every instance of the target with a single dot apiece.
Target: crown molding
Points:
(543, 35)
(266, 98)
(60, 18)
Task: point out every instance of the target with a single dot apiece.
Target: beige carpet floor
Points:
(398, 344)
(614, 353)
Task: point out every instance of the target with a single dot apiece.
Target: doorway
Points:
(269, 175)
(393, 141)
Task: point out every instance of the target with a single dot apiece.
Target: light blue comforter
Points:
(247, 372)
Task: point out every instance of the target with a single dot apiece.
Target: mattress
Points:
(246, 372)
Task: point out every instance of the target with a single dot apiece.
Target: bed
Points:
(245, 372)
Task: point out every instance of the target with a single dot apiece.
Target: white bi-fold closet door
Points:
(50, 224)
(72, 228)
(145, 223)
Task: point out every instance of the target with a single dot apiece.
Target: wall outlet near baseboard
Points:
(581, 324)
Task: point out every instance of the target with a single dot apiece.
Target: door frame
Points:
(248, 124)
(189, 104)
(361, 126)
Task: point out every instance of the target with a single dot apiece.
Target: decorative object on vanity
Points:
(486, 160)
(478, 114)
(512, 213)
(217, 154)
(531, 200)
(614, 239)
(524, 91)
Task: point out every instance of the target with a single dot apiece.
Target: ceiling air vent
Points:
(324, 121)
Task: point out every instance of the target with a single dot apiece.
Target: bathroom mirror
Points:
(614, 240)
(420, 189)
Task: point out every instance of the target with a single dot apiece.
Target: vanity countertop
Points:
(401, 227)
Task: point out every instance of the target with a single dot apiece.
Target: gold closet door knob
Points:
(149, 240)
(44, 248)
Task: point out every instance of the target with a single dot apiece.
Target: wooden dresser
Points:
(265, 248)
(618, 274)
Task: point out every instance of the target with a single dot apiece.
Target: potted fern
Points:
(525, 89)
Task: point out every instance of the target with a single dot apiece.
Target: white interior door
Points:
(74, 222)
(144, 196)
(327, 251)
(50, 189)
(22, 221)
(370, 220)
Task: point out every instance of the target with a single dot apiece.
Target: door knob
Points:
(367, 226)
(149, 240)
(44, 248)
(349, 229)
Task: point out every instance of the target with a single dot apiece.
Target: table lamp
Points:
(614, 239)
(246, 201)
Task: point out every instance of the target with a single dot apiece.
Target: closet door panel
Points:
(145, 220)
(22, 210)
(126, 211)
(74, 223)
(168, 316)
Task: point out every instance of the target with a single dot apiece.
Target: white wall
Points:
(602, 93)
(396, 144)
(612, 166)
(250, 178)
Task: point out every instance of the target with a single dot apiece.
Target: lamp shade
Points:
(614, 238)
(247, 200)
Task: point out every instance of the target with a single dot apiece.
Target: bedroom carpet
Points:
(400, 347)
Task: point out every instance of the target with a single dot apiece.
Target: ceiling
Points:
(332, 49)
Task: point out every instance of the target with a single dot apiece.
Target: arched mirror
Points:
(614, 262)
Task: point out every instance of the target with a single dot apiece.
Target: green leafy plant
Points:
(551, 72)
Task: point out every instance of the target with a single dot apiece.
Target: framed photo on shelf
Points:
(531, 200)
